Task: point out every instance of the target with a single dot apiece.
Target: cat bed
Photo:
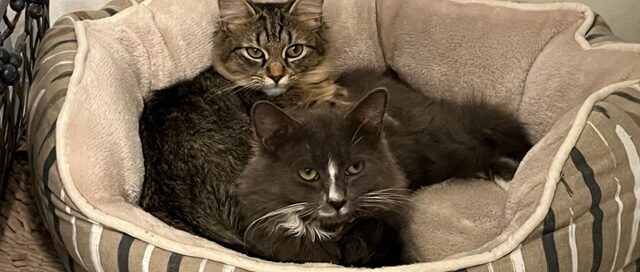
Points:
(574, 202)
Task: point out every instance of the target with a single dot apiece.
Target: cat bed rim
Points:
(589, 18)
(234, 258)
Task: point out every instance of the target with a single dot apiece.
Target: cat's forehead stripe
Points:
(275, 27)
(273, 24)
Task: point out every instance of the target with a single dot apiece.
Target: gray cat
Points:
(323, 186)
(438, 139)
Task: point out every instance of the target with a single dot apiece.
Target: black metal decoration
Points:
(23, 25)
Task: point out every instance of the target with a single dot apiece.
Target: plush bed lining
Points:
(579, 35)
(239, 260)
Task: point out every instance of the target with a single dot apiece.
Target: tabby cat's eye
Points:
(355, 168)
(294, 51)
(254, 53)
(308, 174)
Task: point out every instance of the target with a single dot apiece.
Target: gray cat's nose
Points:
(337, 203)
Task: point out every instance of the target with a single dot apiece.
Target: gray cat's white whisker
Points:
(320, 234)
(292, 220)
(386, 199)
(294, 225)
(309, 211)
(284, 211)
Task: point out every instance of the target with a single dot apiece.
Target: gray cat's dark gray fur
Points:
(350, 211)
(437, 139)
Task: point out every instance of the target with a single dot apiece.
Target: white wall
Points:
(622, 15)
(58, 8)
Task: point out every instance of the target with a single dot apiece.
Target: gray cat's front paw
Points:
(502, 170)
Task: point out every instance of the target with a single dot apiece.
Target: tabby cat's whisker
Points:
(232, 84)
(237, 86)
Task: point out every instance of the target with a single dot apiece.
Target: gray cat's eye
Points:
(355, 168)
(308, 174)
(254, 53)
(295, 51)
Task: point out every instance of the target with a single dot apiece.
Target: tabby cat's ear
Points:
(273, 127)
(308, 11)
(235, 11)
(365, 119)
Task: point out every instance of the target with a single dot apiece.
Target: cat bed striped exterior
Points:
(573, 205)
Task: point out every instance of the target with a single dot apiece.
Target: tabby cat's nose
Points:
(275, 71)
(276, 78)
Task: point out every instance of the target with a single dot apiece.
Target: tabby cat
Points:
(437, 139)
(196, 135)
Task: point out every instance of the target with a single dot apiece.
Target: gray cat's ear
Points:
(273, 127)
(366, 117)
(308, 11)
(235, 11)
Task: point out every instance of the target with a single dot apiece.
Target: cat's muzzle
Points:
(274, 91)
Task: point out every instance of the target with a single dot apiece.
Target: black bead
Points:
(17, 5)
(9, 74)
(35, 11)
(4, 55)
(15, 60)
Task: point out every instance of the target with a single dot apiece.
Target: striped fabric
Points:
(595, 214)
(83, 244)
(592, 224)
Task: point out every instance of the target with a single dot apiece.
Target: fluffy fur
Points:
(350, 218)
(438, 139)
(195, 143)
(278, 48)
(196, 134)
(337, 216)
(196, 139)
